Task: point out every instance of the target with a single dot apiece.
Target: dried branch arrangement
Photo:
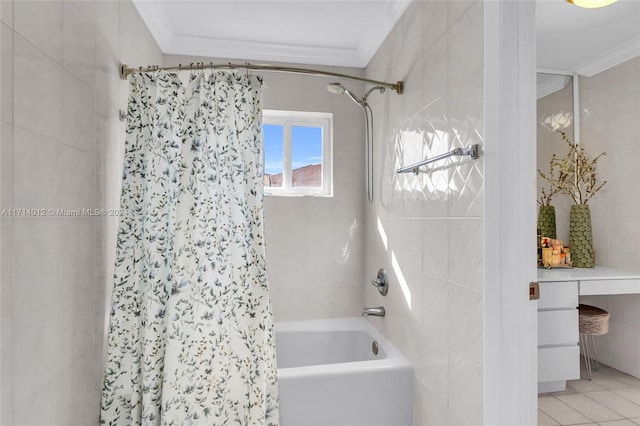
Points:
(545, 197)
(574, 175)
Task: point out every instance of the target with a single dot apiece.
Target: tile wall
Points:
(315, 253)
(427, 230)
(61, 144)
(610, 107)
(61, 149)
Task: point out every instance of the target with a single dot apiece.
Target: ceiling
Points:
(320, 32)
(586, 41)
(348, 32)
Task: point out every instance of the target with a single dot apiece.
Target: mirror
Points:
(601, 47)
(555, 113)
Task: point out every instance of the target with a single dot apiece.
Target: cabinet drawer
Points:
(558, 363)
(558, 327)
(558, 294)
(613, 286)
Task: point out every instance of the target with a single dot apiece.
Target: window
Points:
(297, 153)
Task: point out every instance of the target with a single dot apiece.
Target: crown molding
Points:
(610, 59)
(552, 85)
(390, 15)
(156, 21)
(182, 44)
(170, 42)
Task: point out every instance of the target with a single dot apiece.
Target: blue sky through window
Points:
(306, 147)
(273, 148)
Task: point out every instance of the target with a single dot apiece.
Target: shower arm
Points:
(368, 113)
(366, 95)
(125, 71)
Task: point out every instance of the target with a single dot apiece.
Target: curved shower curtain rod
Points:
(398, 87)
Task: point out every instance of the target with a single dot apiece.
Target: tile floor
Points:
(611, 398)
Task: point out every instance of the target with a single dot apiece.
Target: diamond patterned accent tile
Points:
(424, 135)
(387, 171)
(465, 120)
(467, 189)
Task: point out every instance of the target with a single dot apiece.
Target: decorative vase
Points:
(547, 221)
(580, 236)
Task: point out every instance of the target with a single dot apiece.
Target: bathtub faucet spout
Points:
(377, 311)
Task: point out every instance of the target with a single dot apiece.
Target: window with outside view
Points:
(297, 151)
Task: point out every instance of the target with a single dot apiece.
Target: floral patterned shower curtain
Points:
(191, 338)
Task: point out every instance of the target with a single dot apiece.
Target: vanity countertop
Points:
(585, 274)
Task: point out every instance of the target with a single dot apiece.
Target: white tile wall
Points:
(6, 370)
(79, 42)
(6, 12)
(6, 225)
(40, 22)
(65, 85)
(7, 74)
(465, 387)
(61, 148)
(609, 103)
(78, 114)
(6, 164)
(427, 230)
(37, 89)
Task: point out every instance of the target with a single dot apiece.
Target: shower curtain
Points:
(191, 339)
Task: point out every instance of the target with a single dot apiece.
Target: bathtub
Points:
(329, 375)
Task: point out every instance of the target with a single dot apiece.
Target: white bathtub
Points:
(328, 375)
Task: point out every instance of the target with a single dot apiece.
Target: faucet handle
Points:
(381, 282)
(377, 311)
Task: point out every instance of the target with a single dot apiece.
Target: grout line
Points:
(620, 414)
(575, 409)
(586, 394)
(549, 416)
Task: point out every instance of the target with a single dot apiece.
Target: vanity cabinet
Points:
(558, 346)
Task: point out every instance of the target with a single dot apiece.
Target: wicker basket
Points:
(592, 321)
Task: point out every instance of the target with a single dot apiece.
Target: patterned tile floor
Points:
(611, 398)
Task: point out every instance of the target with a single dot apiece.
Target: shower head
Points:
(336, 88)
(339, 89)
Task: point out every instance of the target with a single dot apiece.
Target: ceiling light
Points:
(592, 4)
